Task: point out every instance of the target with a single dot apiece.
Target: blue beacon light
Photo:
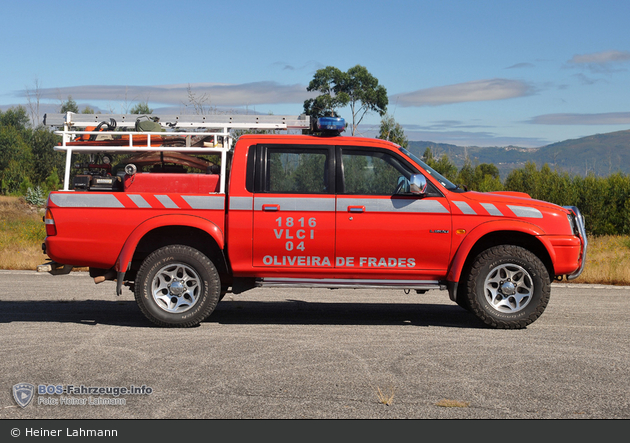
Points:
(331, 124)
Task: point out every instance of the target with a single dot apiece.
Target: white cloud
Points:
(520, 66)
(608, 118)
(214, 94)
(310, 66)
(474, 91)
(601, 57)
(606, 61)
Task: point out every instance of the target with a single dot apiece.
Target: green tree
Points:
(603, 201)
(310, 174)
(466, 175)
(365, 93)
(69, 106)
(25, 185)
(16, 158)
(443, 165)
(488, 169)
(294, 172)
(392, 131)
(385, 177)
(87, 110)
(356, 174)
(52, 182)
(489, 184)
(141, 108)
(357, 88)
(15, 117)
(45, 158)
(487, 178)
(328, 81)
(482, 178)
(27, 155)
(12, 178)
(524, 179)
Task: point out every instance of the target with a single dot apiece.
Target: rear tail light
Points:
(51, 229)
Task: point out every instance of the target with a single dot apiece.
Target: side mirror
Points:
(418, 184)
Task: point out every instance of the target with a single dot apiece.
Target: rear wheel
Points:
(177, 286)
(508, 287)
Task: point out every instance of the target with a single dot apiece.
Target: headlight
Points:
(576, 220)
(573, 224)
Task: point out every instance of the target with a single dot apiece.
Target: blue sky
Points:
(476, 73)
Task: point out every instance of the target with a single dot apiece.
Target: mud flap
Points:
(119, 283)
(452, 290)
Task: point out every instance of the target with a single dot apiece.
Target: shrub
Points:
(35, 196)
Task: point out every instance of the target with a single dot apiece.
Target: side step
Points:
(349, 283)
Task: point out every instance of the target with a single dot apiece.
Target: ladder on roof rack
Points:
(172, 125)
(233, 121)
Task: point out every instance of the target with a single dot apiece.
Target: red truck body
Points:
(315, 211)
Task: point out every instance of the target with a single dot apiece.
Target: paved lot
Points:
(313, 354)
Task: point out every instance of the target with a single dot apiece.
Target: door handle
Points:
(271, 208)
(356, 208)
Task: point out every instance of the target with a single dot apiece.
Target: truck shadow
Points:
(117, 312)
(286, 312)
(300, 312)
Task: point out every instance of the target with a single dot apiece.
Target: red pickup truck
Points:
(184, 217)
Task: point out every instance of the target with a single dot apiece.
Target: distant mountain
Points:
(601, 154)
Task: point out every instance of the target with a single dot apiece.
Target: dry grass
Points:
(446, 403)
(607, 261)
(385, 397)
(22, 233)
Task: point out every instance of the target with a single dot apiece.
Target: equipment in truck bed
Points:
(179, 136)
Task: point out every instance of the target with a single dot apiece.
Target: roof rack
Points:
(186, 126)
(234, 121)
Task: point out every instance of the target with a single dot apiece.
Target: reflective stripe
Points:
(519, 211)
(525, 211)
(392, 205)
(204, 201)
(296, 204)
(492, 210)
(139, 201)
(166, 201)
(241, 203)
(465, 208)
(110, 201)
(86, 201)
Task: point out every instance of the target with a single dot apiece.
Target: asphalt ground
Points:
(312, 354)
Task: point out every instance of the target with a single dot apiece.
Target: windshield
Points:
(432, 172)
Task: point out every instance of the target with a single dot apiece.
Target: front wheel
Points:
(177, 286)
(508, 287)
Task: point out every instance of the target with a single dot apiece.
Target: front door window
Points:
(382, 228)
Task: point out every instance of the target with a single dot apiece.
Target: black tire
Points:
(508, 287)
(177, 286)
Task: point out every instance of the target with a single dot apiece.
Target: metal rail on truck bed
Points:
(221, 127)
